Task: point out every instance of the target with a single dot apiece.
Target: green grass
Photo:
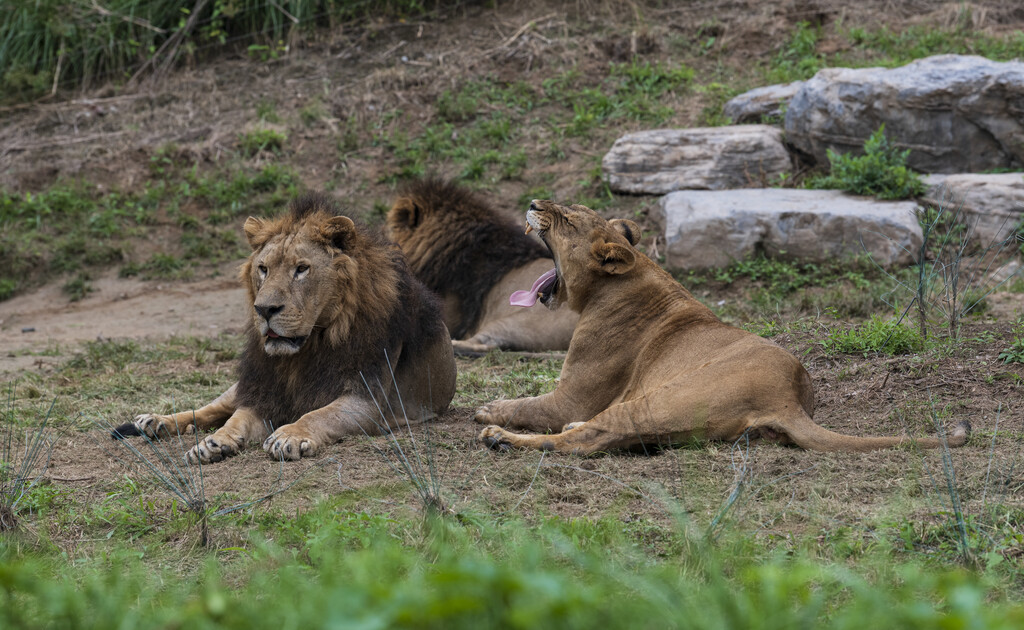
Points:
(259, 140)
(48, 43)
(878, 334)
(334, 567)
(768, 287)
(478, 124)
(799, 59)
(74, 226)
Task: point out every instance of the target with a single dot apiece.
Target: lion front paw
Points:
(291, 443)
(214, 448)
(497, 412)
(154, 426)
(495, 438)
(572, 425)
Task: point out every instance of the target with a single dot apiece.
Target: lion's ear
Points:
(612, 258)
(404, 213)
(626, 228)
(255, 232)
(339, 232)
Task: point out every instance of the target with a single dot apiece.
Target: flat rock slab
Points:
(759, 104)
(956, 113)
(707, 158)
(711, 229)
(992, 204)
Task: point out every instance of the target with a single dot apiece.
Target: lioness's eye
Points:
(301, 269)
(262, 269)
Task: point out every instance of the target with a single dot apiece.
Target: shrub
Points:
(882, 171)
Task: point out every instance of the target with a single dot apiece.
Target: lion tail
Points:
(804, 432)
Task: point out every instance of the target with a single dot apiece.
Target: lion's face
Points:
(294, 277)
(585, 248)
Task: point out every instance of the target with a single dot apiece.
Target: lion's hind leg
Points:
(624, 425)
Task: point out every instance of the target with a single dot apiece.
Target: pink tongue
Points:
(529, 298)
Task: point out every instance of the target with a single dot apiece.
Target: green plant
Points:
(23, 460)
(881, 171)
(7, 288)
(267, 112)
(1015, 353)
(312, 112)
(798, 60)
(884, 335)
(258, 140)
(947, 281)
(78, 287)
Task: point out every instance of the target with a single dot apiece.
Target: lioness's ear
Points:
(339, 232)
(405, 212)
(612, 258)
(255, 233)
(626, 228)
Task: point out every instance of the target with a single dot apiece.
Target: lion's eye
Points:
(301, 269)
(262, 269)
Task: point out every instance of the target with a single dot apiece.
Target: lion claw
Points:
(282, 446)
(494, 439)
(212, 449)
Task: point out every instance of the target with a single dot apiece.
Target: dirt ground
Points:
(106, 137)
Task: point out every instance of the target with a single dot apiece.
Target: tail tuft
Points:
(128, 429)
(960, 433)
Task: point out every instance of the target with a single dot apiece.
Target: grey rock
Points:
(956, 113)
(992, 204)
(770, 101)
(710, 158)
(709, 229)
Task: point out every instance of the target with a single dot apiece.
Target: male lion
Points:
(650, 364)
(342, 339)
(473, 258)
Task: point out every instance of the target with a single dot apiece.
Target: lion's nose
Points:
(266, 312)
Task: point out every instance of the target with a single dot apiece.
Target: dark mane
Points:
(282, 389)
(310, 203)
(474, 246)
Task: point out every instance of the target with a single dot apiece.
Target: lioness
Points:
(473, 258)
(341, 340)
(650, 364)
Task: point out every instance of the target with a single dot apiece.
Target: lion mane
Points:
(460, 244)
(377, 306)
(341, 340)
(474, 257)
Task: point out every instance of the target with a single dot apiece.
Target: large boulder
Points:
(955, 113)
(992, 205)
(761, 104)
(709, 229)
(710, 158)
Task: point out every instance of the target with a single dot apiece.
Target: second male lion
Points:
(474, 259)
(341, 340)
(649, 364)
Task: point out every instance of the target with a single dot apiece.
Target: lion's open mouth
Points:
(543, 288)
(281, 342)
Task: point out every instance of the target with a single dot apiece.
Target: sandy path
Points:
(44, 320)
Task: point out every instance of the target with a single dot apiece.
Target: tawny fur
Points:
(342, 340)
(648, 364)
(474, 259)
